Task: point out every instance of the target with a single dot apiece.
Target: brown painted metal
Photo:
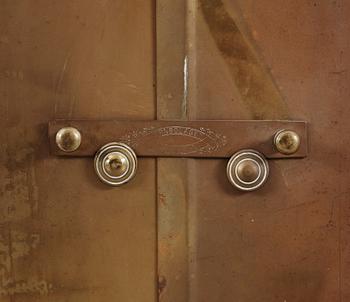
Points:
(172, 173)
(288, 241)
(64, 236)
(209, 139)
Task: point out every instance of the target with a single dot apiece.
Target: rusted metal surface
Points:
(181, 138)
(178, 206)
(288, 241)
(172, 97)
(64, 236)
(253, 81)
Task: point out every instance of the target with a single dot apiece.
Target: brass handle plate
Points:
(198, 139)
(116, 163)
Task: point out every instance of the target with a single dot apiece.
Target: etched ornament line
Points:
(212, 141)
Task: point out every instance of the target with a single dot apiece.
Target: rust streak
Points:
(257, 89)
(162, 283)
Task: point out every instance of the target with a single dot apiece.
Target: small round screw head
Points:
(287, 142)
(248, 170)
(68, 139)
(116, 164)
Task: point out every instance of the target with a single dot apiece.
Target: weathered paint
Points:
(64, 236)
(172, 104)
(287, 241)
(256, 87)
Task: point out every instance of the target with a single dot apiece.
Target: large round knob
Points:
(247, 170)
(115, 164)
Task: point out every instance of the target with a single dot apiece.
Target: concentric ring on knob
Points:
(115, 164)
(247, 170)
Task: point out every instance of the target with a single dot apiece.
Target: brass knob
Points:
(287, 142)
(68, 139)
(115, 164)
(247, 170)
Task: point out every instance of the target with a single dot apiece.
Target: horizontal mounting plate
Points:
(201, 138)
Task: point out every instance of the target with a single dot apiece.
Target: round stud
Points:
(68, 139)
(287, 142)
(115, 164)
(247, 170)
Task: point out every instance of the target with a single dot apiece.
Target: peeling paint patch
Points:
(31, 286)
(162, 283)
(14, 74)
(14, 245)
(19, 205)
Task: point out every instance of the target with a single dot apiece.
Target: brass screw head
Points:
(248, 170)
(287, 142)
(68, 139)
(115, 164)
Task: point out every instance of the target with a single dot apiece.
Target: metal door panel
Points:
(67, 237)
(281, 243)
(287, 241)
(64, 235)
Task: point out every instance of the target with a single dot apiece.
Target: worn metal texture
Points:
(65, 236)
(181, 138)
(289, 241)
(172, 97)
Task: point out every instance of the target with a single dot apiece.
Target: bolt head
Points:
(247, 170)
(287, 142)
(68, 139)
(115, 164)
